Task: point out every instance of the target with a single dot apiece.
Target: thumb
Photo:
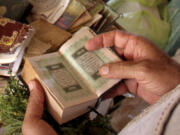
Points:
(35, 105)
(121, 70)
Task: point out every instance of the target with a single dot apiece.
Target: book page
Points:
(74, 10)
(63, 84)
(87, 63)
(54, 14)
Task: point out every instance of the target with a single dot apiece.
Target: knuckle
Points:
(110, 67)
(144, 68)
(134, 38)
(133, 41)
(113, 68)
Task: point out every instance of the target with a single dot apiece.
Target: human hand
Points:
(33, 124)
(147, 70)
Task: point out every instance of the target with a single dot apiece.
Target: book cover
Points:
(12, 34)
(74, 10)
(50, 34)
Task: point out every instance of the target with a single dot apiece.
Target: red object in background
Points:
(12, 33)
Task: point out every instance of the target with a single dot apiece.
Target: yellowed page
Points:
(62, 83)
(87, 63)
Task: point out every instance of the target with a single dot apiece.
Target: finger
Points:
(131, 46)
(117, 91)
(120, 70)
(132, 85)
(108, 40)
(35, 105)
(119, 51)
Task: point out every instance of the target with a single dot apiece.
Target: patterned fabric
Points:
(12, 34)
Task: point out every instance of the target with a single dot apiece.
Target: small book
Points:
(55, 13)
(70, 76)
(11, 69)
(10, 57)
(72, 13)
(49, 34)
(14, 37)
(84, 18)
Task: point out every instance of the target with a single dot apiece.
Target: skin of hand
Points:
(33, 124)
(146, 71)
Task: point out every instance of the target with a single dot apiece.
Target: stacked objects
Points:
(14, 38)
(68, 15)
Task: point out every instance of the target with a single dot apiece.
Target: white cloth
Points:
(159, 118)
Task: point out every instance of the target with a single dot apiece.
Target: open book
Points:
(70, 77)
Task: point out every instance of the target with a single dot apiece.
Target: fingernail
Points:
(30, 85)
(104, 70)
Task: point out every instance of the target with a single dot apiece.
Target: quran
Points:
(70, 76)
